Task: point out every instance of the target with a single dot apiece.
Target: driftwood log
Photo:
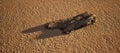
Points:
(74, 23)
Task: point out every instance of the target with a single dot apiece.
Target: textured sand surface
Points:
(19, 15)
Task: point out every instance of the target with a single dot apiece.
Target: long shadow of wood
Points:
(80, 21)
(46, 33)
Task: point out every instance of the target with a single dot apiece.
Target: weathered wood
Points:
(73, 23)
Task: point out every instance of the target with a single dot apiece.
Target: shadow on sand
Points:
(46, 33)
(77, 22)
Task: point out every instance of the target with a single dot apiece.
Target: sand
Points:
(20, 15)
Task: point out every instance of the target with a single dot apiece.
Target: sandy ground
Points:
(30, 15)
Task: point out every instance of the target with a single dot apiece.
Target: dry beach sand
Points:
(30, 15)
